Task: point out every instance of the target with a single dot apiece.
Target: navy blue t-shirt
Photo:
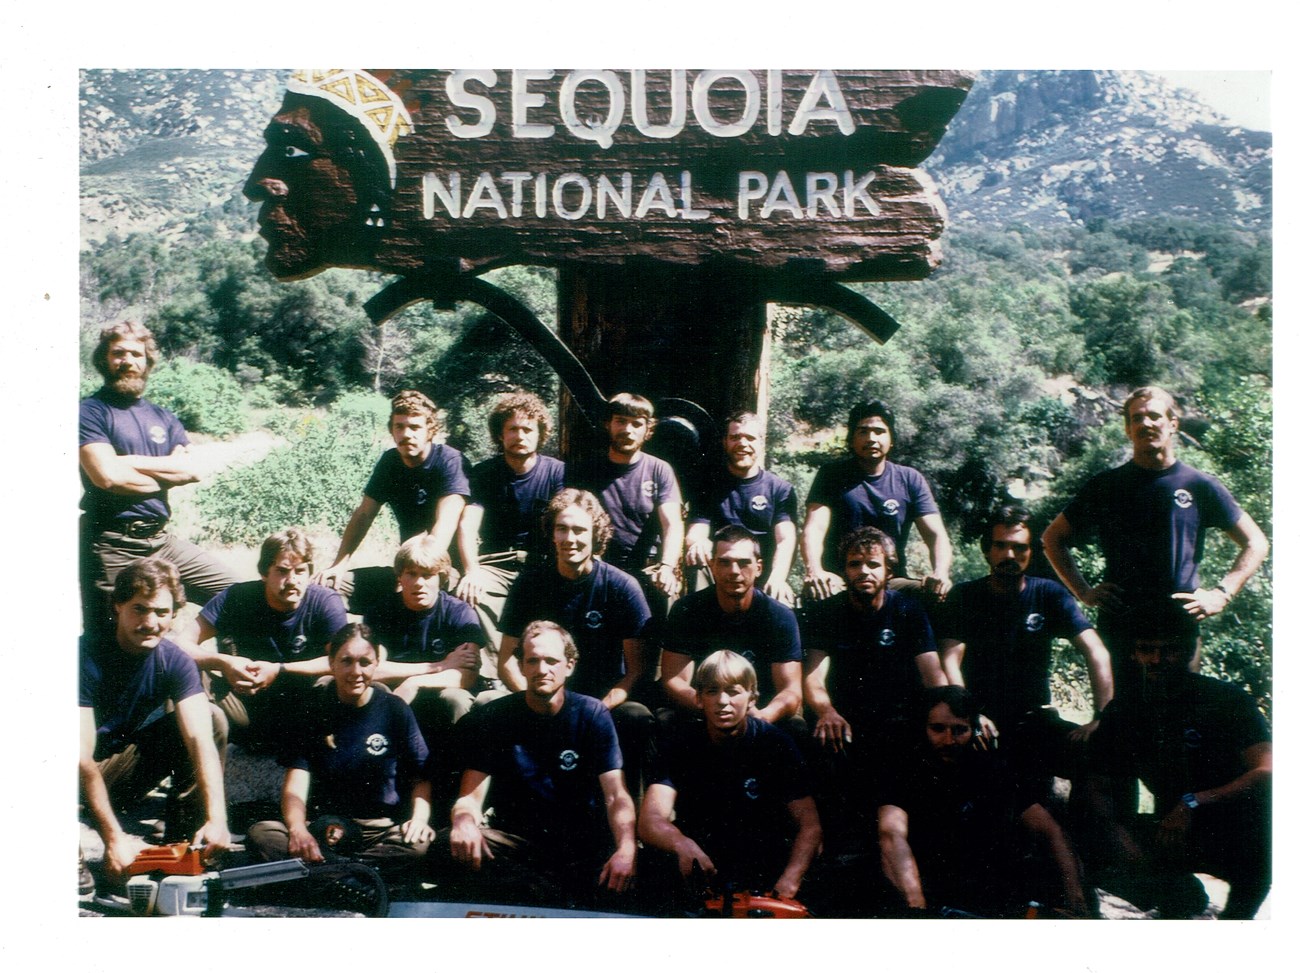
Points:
(512, 504)
(766, 634)
(414, 493)
(758, 504)
(1008, 659)
(247, 626)
(362, 759)
(424, 636)
(545, 770)
(128, 691)
(631, 494)
(1151, 526)
(600, 610)
(1192, 744)
(873, 673)
(133, 427)
(963, 822)
(891, 501)
(733, 798)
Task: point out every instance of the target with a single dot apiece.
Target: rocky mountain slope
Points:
(167, 151)
(1047, 146)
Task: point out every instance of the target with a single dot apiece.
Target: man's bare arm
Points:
(473, 581)
(619, 870)
(468, 846)
(818, 582)
(508, 668)
(194, 717)
(951, 654)
(896, 858)
(634, 666)
(832, 729)
(1252, 549)
(353, 534)
(446, 520)
(1056, 545)
(778, 579)
(120, 848)
(788, 698)
(675, 671)
(935, 536)
(927, 663)
(673, 532)
(807, 842)
(111, 472)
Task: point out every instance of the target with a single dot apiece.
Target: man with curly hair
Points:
(601, 605)
(507, 494)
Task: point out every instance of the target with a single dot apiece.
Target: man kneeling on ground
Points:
(729, 798)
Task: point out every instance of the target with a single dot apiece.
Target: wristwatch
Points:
(1190, 802)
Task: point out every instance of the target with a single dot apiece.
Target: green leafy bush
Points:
(204, 398)
(315, 480)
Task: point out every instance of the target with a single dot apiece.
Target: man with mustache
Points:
(132, 452)
(1150, 517)
(995, 638)
(270, 638)
(144, 717)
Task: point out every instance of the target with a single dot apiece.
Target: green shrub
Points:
(204, 398)
(314, 481)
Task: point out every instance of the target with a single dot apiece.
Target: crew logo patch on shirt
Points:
(594, 619)
(1033, 622)
(299, 642)
(1182, 498)
(758, 504)
(157, 434)
(751, 788)
(892, 506)
(648, 488)
(421, 496)
(569, 760)
(1192, 738)
(886, 636)
(376, 744)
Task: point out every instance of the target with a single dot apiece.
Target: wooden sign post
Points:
(675, 204)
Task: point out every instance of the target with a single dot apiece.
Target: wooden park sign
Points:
(675, 203)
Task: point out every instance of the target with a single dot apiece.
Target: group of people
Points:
(578, 686)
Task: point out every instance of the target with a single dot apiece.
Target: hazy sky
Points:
(1243, 96)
